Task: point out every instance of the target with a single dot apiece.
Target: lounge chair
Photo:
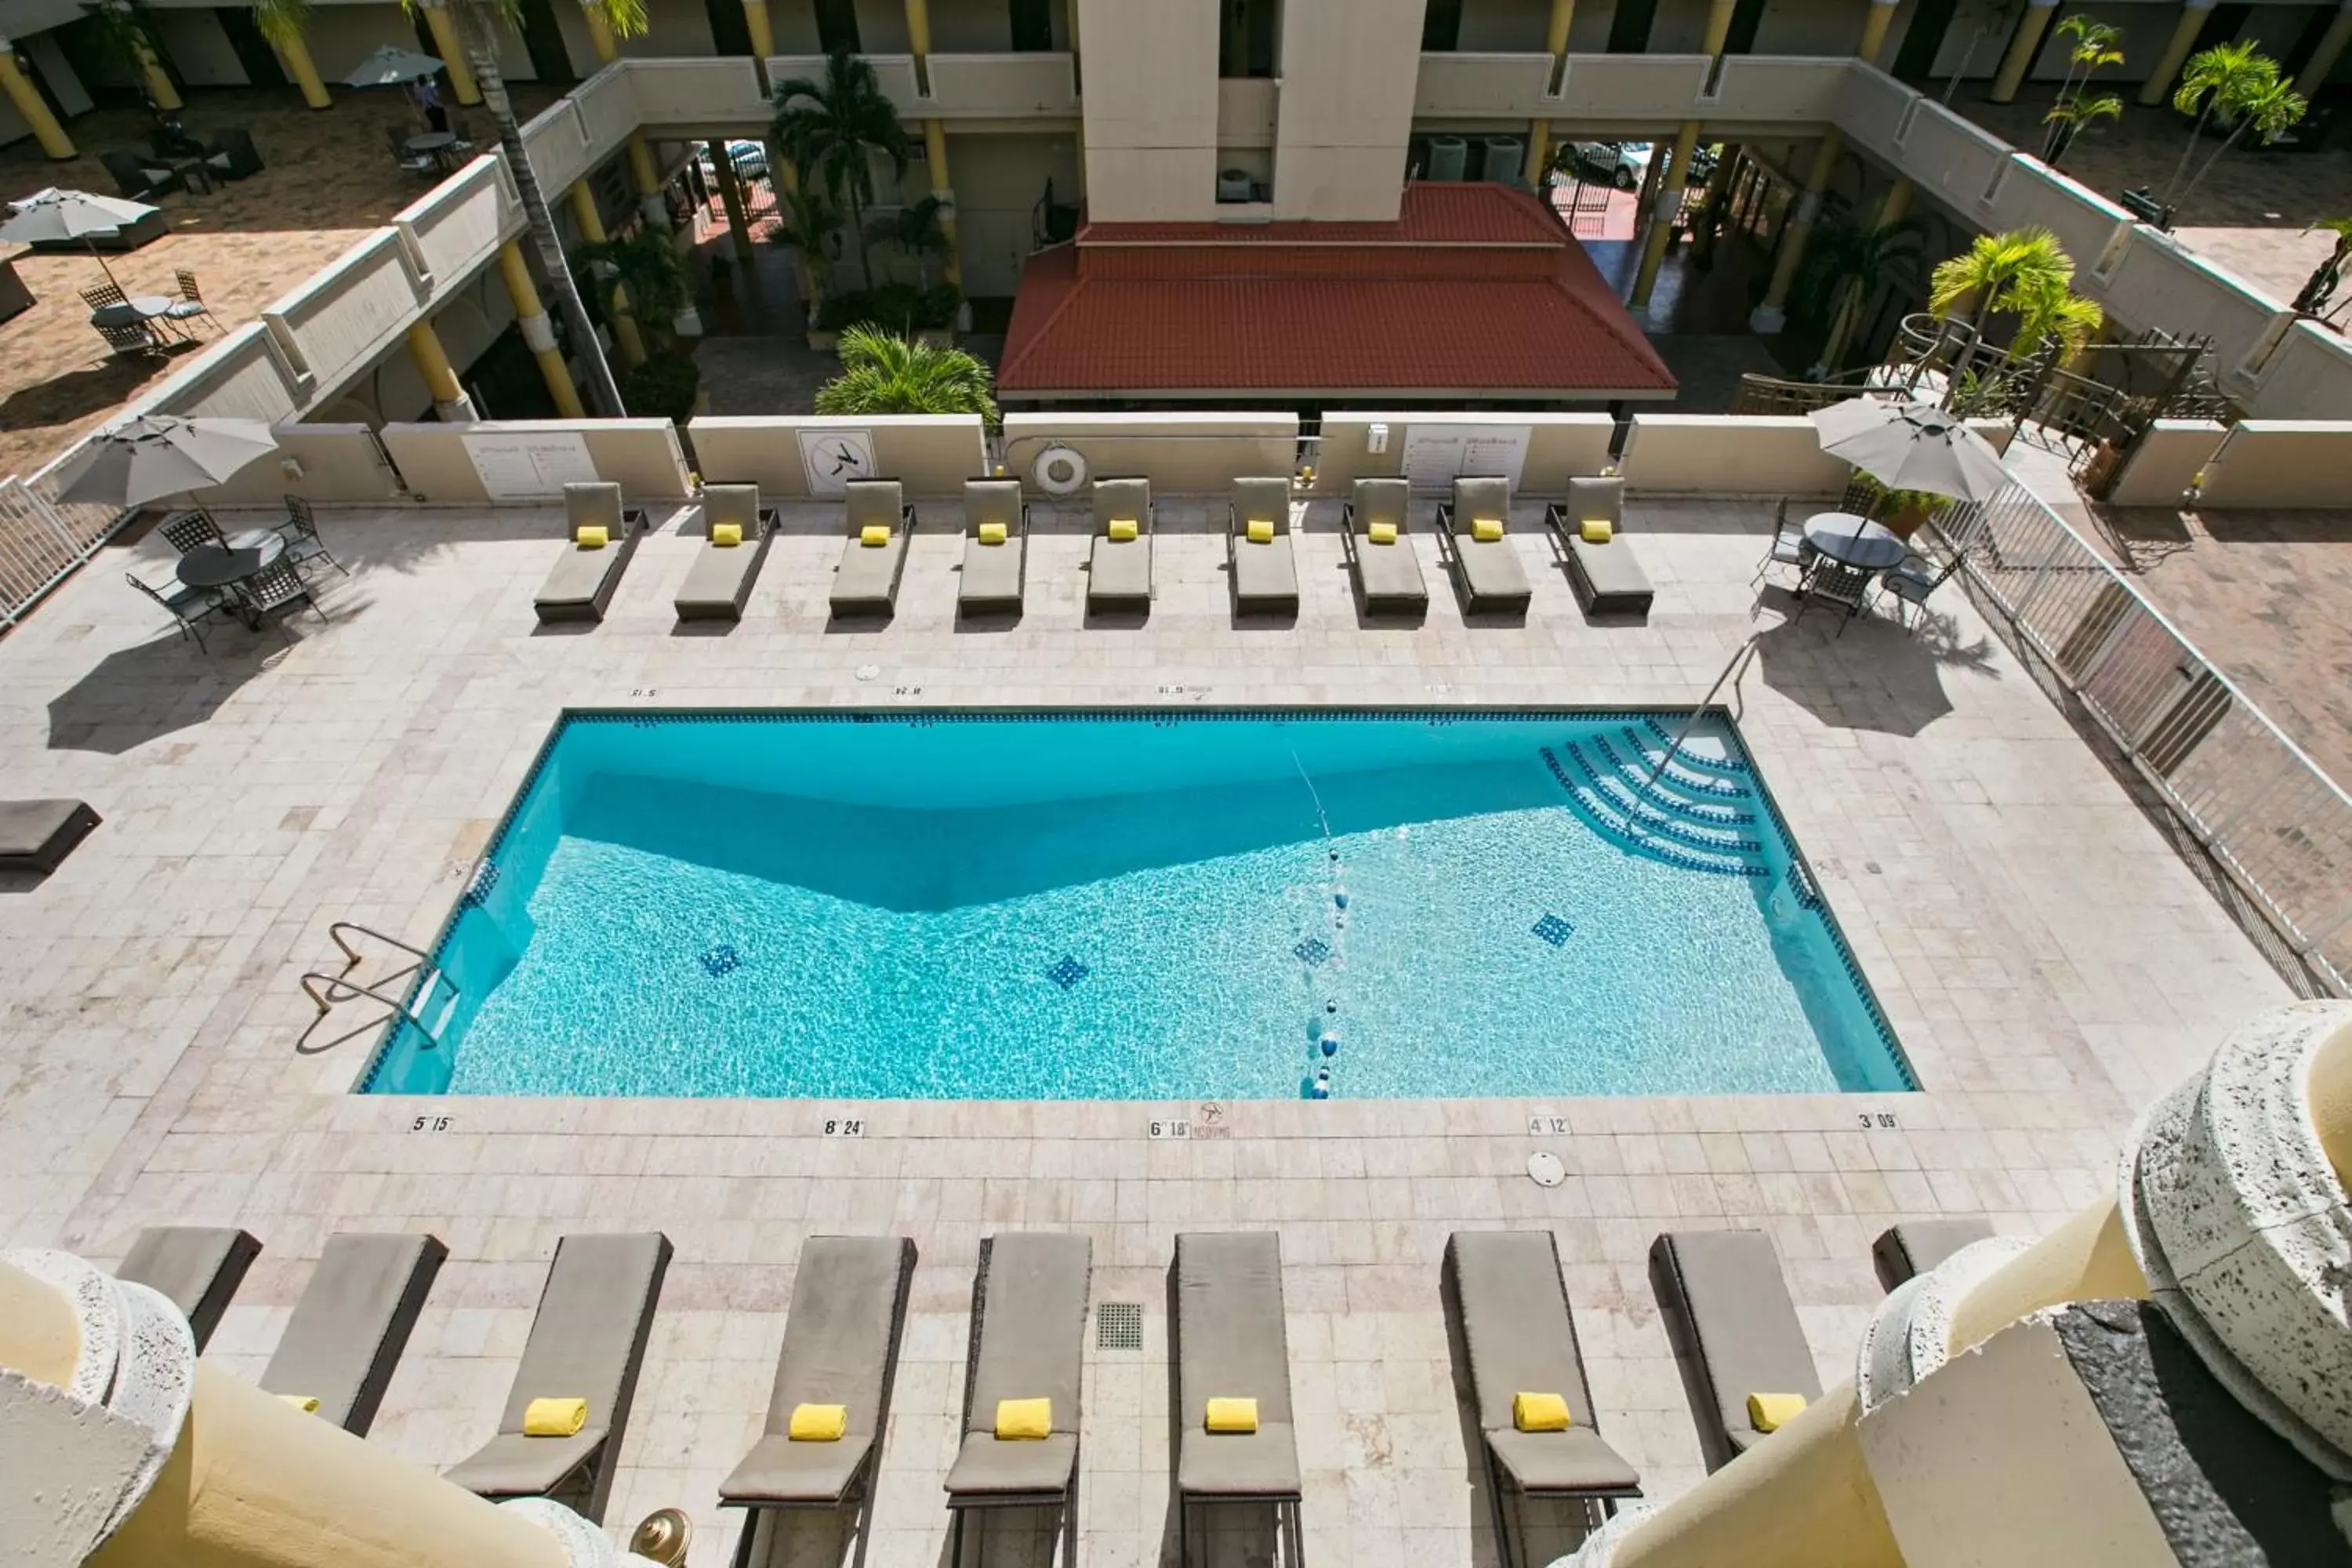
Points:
(1734, 1331)
(994, 576)
(1119, 571)
(1608, 580)
(1265, 572)
(37, 835)
(1231, 1345)
(720, 582)
(1487, 572)
(867, 582)
(841, 1347)
(196, 1267)
(586, 1343)
(1918, 1245)
(580, 586)
(351, 1323)
(1519, 1337)
(1388, 575)
(1029, 1322)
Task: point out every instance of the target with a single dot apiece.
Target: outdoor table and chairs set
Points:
(252, 575)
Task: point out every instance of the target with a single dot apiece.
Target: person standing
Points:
(428, 98)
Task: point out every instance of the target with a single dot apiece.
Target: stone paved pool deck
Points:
(2048, 961)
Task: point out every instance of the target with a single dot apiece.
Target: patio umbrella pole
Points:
(91, 245)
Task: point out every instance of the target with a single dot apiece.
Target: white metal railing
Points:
(2272, 820)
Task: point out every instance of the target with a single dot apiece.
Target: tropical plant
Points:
(893, 307)
(882, 374)
(127, 31)
(2220, 81)
(476, 23)
(644, 263)
(917, 230)
(2269, 107)
(2051, 318)
(1998, 272)
(834, 130)
(808, 223)
(1846, 268)
(2093, 45)
(2000, 19)
(2320, 287)
(2067, 118)
(282, 22)
(666, 386)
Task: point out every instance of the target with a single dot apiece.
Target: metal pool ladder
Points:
(427, 1015)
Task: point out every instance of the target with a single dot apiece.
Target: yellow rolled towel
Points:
(875, 534)
(1598, 531)
(1539, 1412)
(1233, 1416)
(1122, 529)
(818, 1423)
(1029, 1420)
(1770, 1412)
(1381, 532)
(1486, 530)
(555, 1417)
(306, 1403)
(1261, 530)
(726, 533)
(591, 536)
(992, 533)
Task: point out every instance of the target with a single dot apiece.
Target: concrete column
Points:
(2022, 49)
(1773, 313)
(1873, 29)
(1677, 176)
(935, 148)
(755, 19)
(32, 106)
(631, 343)
(159, 80)
(453, 55)
(1718, 203)
(648, 179)
(1563, 14)
(449, 400)
(600, 32)
(730, 195)
(538, 333)
(918, 40)
(2158, 86)
(2315, 70)
(1893, 203)
(296, 53)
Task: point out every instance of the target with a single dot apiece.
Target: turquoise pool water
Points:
(1147, 907)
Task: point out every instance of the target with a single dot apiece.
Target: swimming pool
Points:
(1140, 906)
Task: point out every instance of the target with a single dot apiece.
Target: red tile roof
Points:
(1475, 289)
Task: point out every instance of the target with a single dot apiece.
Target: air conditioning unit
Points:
(1233, 184)
(1449, 157)
(1505, 155)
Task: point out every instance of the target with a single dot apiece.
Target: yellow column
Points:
(449, 399)
(648, 179)
(935, 147)
(1772, 314)
(2022, 49)
(296, 53)
(453, 55)
(1873, 30)
(2315, 70)
(537, 334)
(763, 38)
(1893, 203)
(2158, 86)
(1563, 12)
(600, 33)
(159, 80)
(31, 105)
(592, 229)
(730, 196)
(1670, 188)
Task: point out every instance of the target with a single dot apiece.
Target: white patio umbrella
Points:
(388, 65)
(1911, 447)
(151, 456)
(53, 214)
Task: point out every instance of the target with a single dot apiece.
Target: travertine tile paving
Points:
(2047, 961)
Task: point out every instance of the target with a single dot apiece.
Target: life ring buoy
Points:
(1059, 471)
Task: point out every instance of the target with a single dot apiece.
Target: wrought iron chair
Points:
(1911, 582)
(410, 162)
(1789, 548)
(276, 589)
(99, 295)
(301, 531)
(190, 531)
(137, 338)
(191, 305)
(1842, 587)
(188, 607)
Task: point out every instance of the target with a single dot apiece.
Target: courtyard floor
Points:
(2047, 961)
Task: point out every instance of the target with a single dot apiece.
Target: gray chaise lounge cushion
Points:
(36, 834)
(1736, 1331)
(1520, 1337)
(196, 1267)
(347, 1332)
(588, 1342)
(849, 1298)
(992, 573)
(1388, 574)
(580, 585)
(720, 582)
(1266, 576)
(1918, 1245)
(1119, 572)
(1608, 578)
(1489, 572)
(1231, 1343)
(1032, 1321)
(869, 576)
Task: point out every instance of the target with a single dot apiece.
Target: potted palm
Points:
(833, 130)
(1900, 512)
(885, 373)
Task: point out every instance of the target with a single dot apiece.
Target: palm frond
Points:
(282, 22)
(885, 373)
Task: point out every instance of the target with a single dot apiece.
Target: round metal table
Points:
(1855, 541)
(246, 555)
(131, 312)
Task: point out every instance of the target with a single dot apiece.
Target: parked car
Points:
(750, 158)
(1622, 163)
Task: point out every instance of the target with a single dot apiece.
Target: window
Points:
(1441, 27)
(836, 25)
(1248, 35)
(1033, 25)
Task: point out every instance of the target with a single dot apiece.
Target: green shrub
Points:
(893, 307)
(663, 387)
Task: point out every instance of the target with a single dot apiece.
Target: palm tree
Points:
(2318, 290)
(806, 223)
(1847, 268)
(281, 21)
(916, 230)
(477, 22)
(2001, 18)
(882, 374)
(1996, 273)
(2069, 115)
(2052, 315)
(2269, 107)
(834, 130)
(2220, 80)
(644, 264)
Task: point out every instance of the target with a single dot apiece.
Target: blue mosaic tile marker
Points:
(1068, 973)
(720, 960)
(1314, 950)
(1554, 929)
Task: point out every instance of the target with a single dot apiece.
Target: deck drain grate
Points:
(1118, 1326)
